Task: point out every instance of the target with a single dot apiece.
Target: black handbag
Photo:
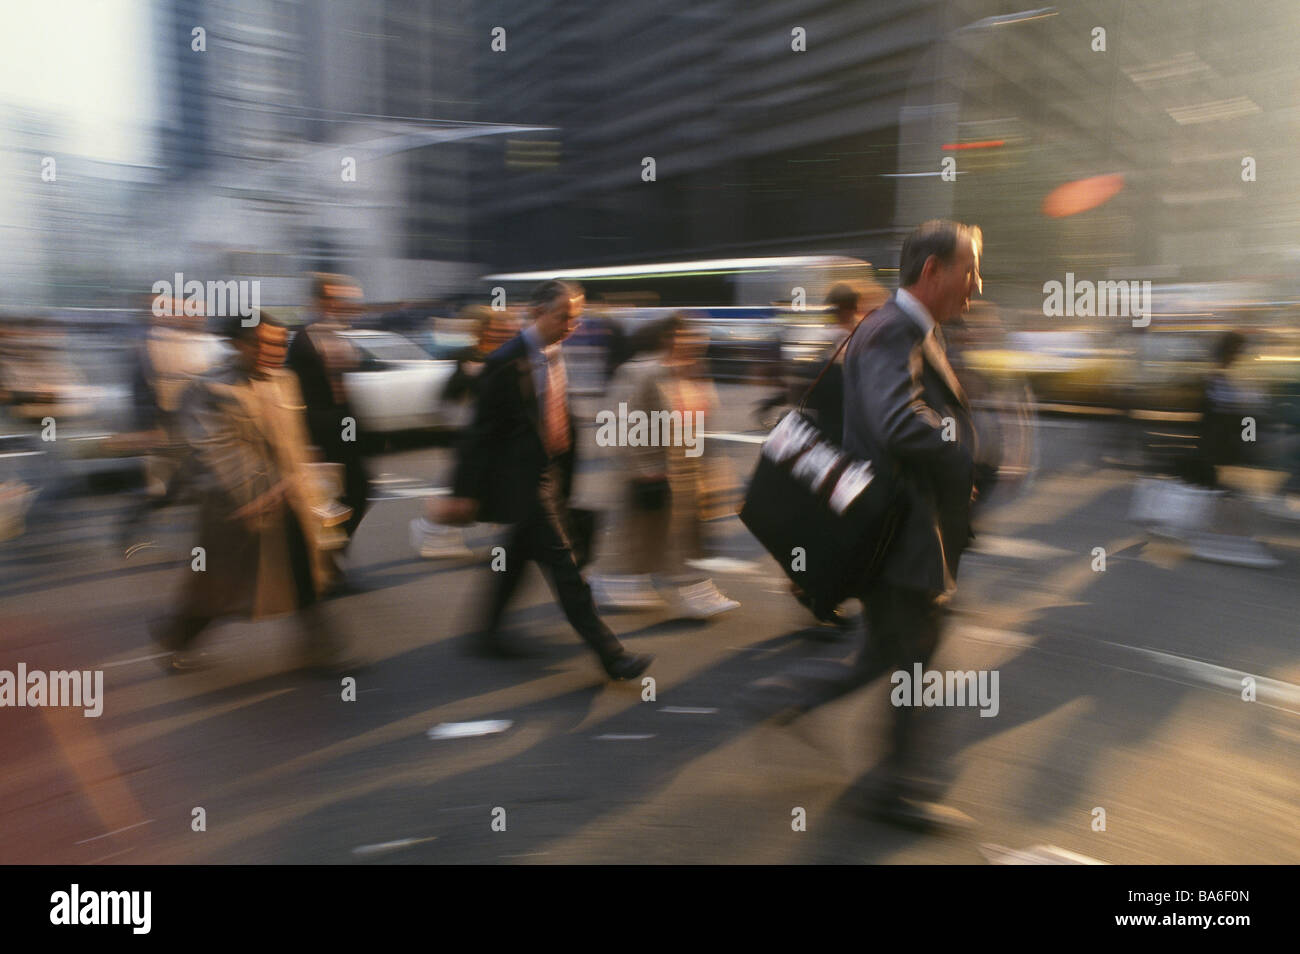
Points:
(824, 516)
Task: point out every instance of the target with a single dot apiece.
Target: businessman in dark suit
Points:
(516, 466)
(903, 404)
(321, 357)
(905, 409)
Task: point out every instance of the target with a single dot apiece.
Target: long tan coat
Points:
(661, 541)
(248, 433)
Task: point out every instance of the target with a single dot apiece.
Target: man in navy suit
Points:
(516, 466)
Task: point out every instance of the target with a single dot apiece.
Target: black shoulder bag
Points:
(824, 516)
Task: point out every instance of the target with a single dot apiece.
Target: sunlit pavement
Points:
(1121, 733)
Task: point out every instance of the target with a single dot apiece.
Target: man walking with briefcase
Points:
(905, 411)
(903, 403)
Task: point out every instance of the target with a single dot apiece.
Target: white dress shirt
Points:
(541, 357)
(912, 305)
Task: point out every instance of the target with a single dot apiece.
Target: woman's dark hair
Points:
(843, 295)
(664, 330)
(653, 337)
(235, 328)
(1228, 347)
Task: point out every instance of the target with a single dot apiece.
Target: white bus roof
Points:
(682, 268)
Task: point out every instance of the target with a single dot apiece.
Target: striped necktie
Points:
(555, 419)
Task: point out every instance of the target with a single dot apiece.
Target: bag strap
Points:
(827, 366)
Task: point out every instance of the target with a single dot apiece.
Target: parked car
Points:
(446, 339)
(399, 387)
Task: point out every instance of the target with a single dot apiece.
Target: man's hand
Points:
(456, 511)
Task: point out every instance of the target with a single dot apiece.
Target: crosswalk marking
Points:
(1282, 694)
(735, 438)
(1016, 548)
(1035, 855)
(384, 847)
(1272, 692)
(109, 834)
(466, 730)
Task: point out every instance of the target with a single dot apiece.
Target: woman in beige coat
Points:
(267, 520)
(663, 526)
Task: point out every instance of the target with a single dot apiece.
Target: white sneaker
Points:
(702, 601)
(1234, 551)
(1171, 507)
(1286, 506)
(435, 542)
(624, 592)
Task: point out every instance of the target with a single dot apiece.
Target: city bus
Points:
(744, 304)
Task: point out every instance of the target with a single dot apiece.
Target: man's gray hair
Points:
(936, 237)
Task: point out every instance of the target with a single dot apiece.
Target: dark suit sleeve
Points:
(896, 414)
(483, 433)
(462, 383)
(144, 397)
(297, 356)
(303, 361)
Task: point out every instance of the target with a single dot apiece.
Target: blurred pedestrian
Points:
(431, 539)
(492, 329)
(663, 524)
(1222, 404)
(40, 388)
(176, 349)
(1225, 536)
(516, 466)
(848, 302)
(265, 524)
(903, 405)
(826, 403)
(320, 356)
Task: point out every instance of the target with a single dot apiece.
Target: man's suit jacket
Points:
(898, 388)
(502, 457)
(325, 408)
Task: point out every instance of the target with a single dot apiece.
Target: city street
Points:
(1121, 734)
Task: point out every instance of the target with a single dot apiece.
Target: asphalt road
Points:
(1120, 690)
